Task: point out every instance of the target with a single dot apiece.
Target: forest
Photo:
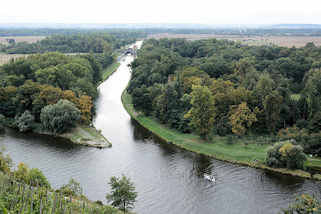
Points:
(31, 88)
(52, 91)
(219, 87)
(72, 43)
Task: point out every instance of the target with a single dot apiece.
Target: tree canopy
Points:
(224, 87)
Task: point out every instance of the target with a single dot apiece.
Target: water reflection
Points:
(202, 165)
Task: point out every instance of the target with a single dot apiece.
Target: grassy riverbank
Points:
(88, 136)
(83, 135)
(242, 151)
(109, 70)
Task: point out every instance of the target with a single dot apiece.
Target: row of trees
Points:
(72, 43)
(222, 87)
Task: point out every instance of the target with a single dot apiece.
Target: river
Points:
(167, 179)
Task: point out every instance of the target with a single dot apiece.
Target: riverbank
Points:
(107, 72)
(220, 148)
(82, 135)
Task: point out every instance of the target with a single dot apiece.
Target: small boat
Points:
(209, 177)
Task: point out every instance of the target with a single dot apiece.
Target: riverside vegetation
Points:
(52, 93)
(26, 190)
(230, 101)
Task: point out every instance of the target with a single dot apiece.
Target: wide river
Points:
(168, 179)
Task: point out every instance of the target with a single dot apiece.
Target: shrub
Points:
(36, 177)
(32, 176)
(5, 162)
(60, 117)
(311, 142)
(73, 188)
(285, 155)
(25, 121)
(305, 204)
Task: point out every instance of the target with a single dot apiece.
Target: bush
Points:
(285, 155)
(305, 204)
(5, 162)
(25, 121)
(73, 188)
(33, 176)
(60, 117)
(311, 142)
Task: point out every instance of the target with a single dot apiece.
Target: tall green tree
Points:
(202, 113)
(313, 91)
(272, 107)
(241, 118)
(122, 194)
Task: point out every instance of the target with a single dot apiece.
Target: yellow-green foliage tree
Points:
(241, 118)
(85, 104)
(202, 113)
(32, 176)
(70, 95)
(286, 155)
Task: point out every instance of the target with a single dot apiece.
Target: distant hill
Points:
(295, 26)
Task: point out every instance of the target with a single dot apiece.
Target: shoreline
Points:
(107, 72)
(82, 135)
(168, 135)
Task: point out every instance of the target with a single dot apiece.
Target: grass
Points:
(245, 151)
(217, 146)
(86, 135)
(110, 70)
(83, 135)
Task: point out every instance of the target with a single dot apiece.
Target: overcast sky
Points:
(162, 11)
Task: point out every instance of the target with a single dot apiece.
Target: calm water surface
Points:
(167, 179)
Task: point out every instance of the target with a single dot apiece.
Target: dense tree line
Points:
(52, 89)
(140, 31)
(74, 43)
(223, 87)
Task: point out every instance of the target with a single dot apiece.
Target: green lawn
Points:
(86, 135)
(249, 151)
(109, 70)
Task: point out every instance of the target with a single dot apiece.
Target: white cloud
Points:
(162, 11)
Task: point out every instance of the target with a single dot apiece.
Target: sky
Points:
(212, 12)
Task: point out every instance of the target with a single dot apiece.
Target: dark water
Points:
(167, 179)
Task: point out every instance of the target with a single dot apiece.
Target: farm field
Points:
(28, 39)
(285, 41)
